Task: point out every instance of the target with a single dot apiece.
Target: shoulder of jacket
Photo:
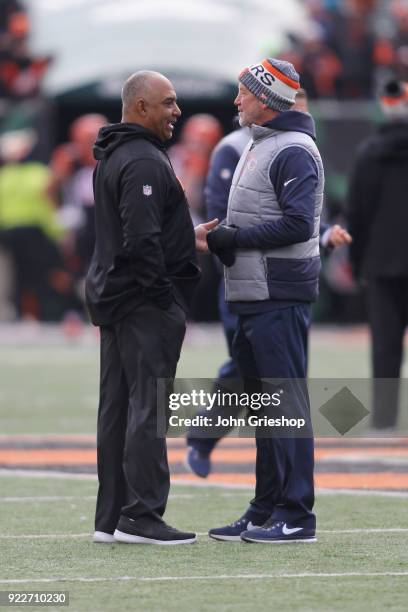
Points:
(132, 152)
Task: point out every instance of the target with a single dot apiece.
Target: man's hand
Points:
(338, 236)
(201, 232)
(221, 241)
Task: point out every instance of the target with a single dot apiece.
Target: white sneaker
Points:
(101, 537)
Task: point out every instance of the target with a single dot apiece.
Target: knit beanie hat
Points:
(274, 82)
(394, 99)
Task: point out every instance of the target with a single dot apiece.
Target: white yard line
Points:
(208, 578)
(46, 536)
(193, 483)
(53, 498)
(366, 530)
(361, 492)
(78, 498)
(47, 474)
(340, 531)
(69, 536)
(361, 458)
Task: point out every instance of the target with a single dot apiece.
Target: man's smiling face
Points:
(162, 111)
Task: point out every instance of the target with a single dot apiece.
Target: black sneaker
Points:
(279, 532)
(150, 531)
(232, 532)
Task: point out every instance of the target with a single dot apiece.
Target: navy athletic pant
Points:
(274, 345)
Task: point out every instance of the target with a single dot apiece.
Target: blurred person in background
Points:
(398, 63)
(29, 232)
(223, 162)
(352, 45)
(320, 68)
(190, 158)
(70, 187)
(352, 38)
(378, 220)
(21, 73)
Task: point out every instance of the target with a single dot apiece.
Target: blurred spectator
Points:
(190, 158)
(352, 39)
(320, 69)
(399, 11)
(70, 188)
(352, 45)
(29, 232)
(378, 218)
(20, 72)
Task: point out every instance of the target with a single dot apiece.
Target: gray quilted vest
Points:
(283, 273)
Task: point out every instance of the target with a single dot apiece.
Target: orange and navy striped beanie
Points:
(274, 82)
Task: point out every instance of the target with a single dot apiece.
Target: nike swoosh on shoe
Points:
(289, 530)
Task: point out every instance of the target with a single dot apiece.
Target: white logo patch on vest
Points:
(251, 163)
(147, 190)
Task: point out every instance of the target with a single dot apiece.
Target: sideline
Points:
(186, 482)
(207, 578)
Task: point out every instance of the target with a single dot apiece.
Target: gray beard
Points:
(242, 123)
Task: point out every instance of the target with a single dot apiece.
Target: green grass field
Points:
(342, 571)
(53, 388)
(46, 522)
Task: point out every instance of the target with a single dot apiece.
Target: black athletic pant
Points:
(132, 460)
(388, 317)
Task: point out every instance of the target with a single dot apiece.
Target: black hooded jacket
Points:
(378, 204)
(145, 242)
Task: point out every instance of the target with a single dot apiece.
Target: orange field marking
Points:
(380, 480)
(387, 480)
(54, 456)
(85, 456)
(357, 480)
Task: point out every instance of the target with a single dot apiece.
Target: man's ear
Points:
(141, 107)
(263, 97)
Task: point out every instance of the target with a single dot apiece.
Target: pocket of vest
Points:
(292, 270)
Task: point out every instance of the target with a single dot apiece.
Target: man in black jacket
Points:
(378, 218)
(139, 284)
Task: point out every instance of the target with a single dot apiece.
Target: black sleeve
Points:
(363, 193)
(141, 207)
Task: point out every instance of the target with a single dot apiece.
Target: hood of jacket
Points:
(110, 137)
(391, 141)
(293, 121)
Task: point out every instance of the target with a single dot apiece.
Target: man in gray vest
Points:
(270, 247)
